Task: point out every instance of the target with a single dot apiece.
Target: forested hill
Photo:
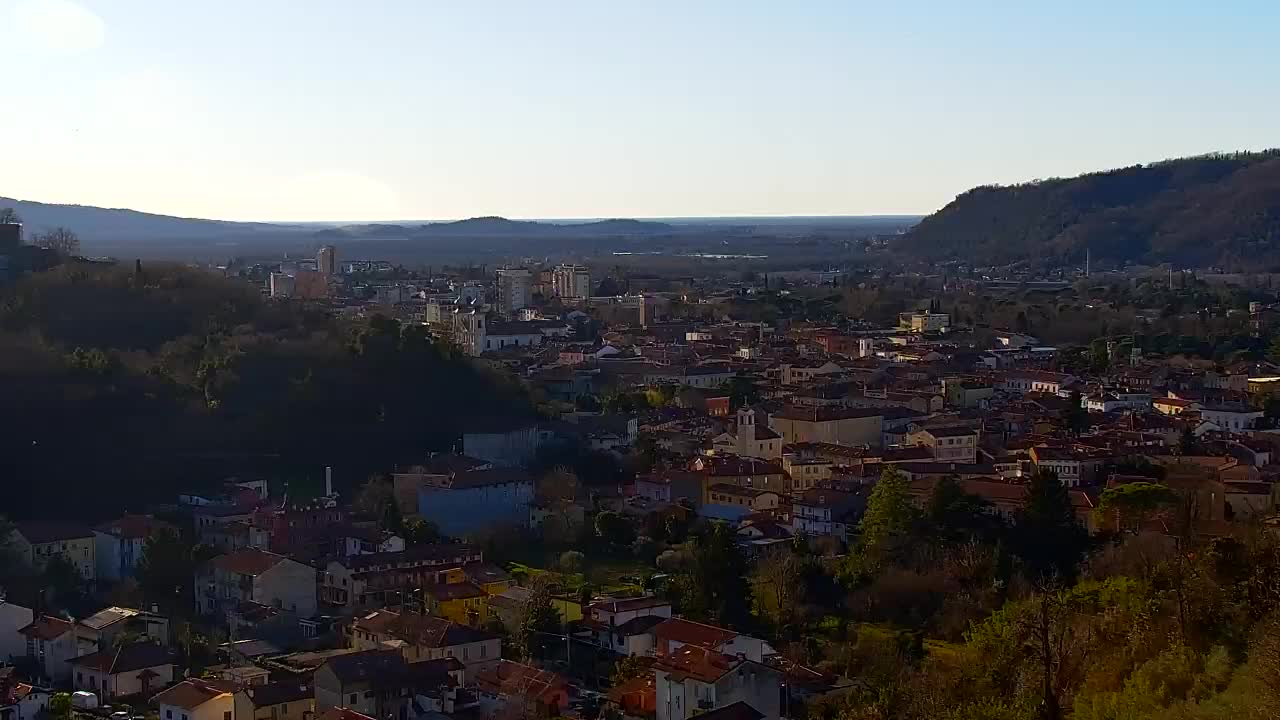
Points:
(123, 388)
(1213, 210)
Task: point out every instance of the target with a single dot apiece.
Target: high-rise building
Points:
(282, 285)
(515, 289)
(327, 260)
(571, 281)
(10, 236)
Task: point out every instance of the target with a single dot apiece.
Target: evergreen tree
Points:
(1050, 540)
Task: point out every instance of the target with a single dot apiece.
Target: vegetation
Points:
(1213, 210)
(198, 378)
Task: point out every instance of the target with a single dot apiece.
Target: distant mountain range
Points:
(1213, 210)
(498, 227)
(118, 224)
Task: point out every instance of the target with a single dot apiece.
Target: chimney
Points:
(328, 480)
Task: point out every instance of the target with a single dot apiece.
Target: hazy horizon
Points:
(271, 112)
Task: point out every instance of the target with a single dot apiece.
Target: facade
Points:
(751, 438)
(1232, 418)
(275, 701)
(327, 260)
(197, 699)
(692, 681)
(424, 637)
(361, 583)
(37, 543)
(13, 618)
(255, 576)
(949, 444)
(474, 501)
(824, 512)
(834, 425)
(133, 669)
(571, 281)
(119, 544)
(515, 289)
(925, 322)
(51, 645)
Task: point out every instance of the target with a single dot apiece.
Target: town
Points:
(744, 495)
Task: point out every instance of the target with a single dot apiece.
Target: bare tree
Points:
(8, 216)
(59, 239)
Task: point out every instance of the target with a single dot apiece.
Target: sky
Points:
(425, 109)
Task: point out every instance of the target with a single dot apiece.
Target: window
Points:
(168, 713)
(226, 715)
(368, 694)
(354, 698)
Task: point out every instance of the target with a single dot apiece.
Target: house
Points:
(197, 699)
(51, 644)
(1039, 381)
(806, 472)
(423, 637)
(37, 543)
(739, 471)
(118, 544)
(670, 486)
(101, 629)
(962, 393)
(130, 669)
(1231, 417)
(255, 576)
(675, 633)
(13, 619)
(473, 501)
(694, 681)
(635, 697)
(797, 373)
(949, 444)
(1072, 466)
(525, 690)
(829, 424)
(625, 626)
(820, 512)
(369, 682)
(732, 503)
(750, 438)
(460, 602)
(19, 700)
(285, 700)
(361, 583)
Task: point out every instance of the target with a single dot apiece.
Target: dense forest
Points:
(122, 386)
(1214, 210)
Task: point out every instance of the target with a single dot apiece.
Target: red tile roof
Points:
(48, 628)
(249, 561)
(692, 633)
(191, 694)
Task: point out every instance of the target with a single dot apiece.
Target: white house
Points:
(626, 626)
(51, 644)
(1231, 417)
(131, 669)
(693, 681)
(13, 618)
(253, 575)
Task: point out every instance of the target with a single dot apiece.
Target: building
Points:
(138, 668)
(469, 502)
(424, 637)
(750, 438)
(526, 691)
(1073, 467)
(106, 627)
(198, 699)
(949, 444)
(925, 322)
(285, 700)
(830, 424)
(327, 260)
(694, 681)
(676, 633)
(515, 289)
(255, 576)
(361, 583)
(51, 645)
(625, 626)
(37, 543)
(280, 285)
(1231, 417)
(19, 700)
(571, 281)
(119, 544)
(13, 618)
(822, 512)
(368, 682)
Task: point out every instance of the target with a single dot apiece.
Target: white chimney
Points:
(328, 480)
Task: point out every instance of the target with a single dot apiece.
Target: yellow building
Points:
(37, 543)
(462, 602)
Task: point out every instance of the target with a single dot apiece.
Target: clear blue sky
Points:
(415, 109)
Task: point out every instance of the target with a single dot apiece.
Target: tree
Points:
(777, 589)
(1132, 504)
(570, 562)
(417, 531)
(889, 518)
(60, 240)
(538, 619)
(60, 707)
(166, 571)
(711, 585)
(614, 529)
(377, 499)
(954, 515)
(1077, 415)
(1050, 540)
(630, 667)
(9, 216)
